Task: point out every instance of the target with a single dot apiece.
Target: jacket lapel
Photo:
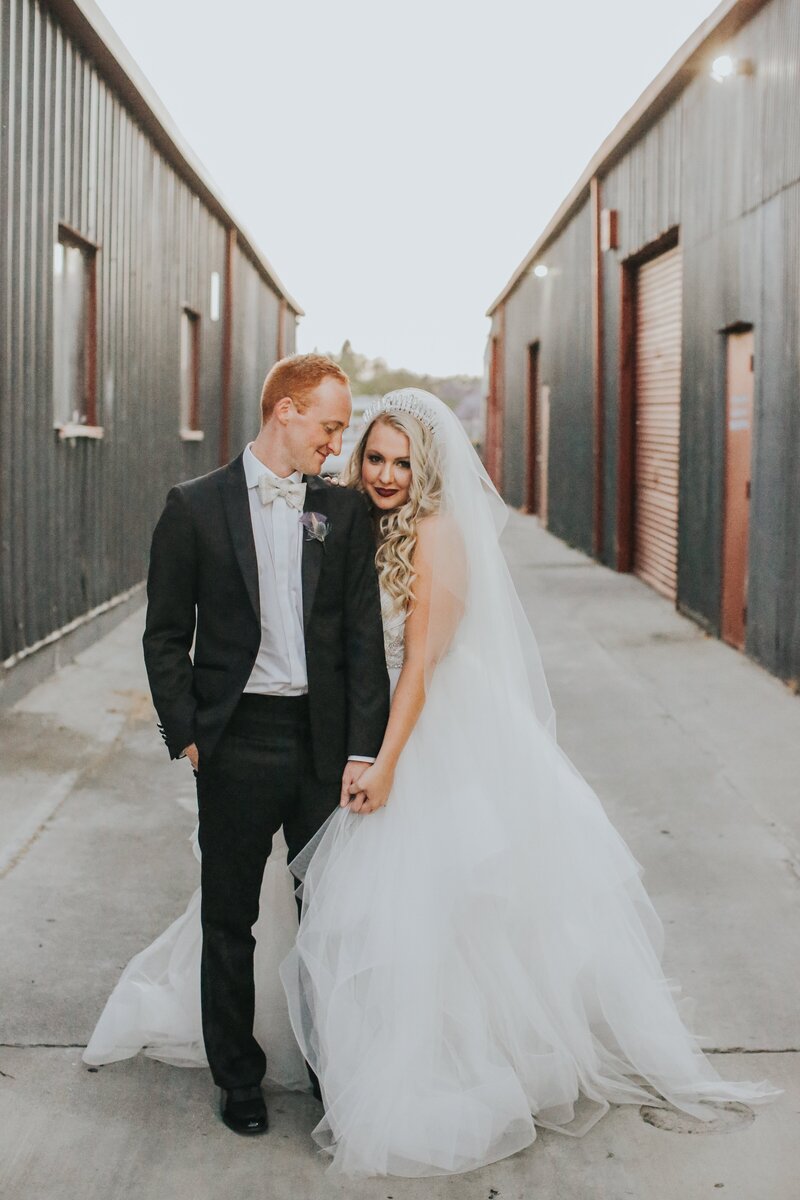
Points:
(237, 511)
(312, 549)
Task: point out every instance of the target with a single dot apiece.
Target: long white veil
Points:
(471, 576)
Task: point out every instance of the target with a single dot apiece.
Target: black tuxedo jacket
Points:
(202, 586)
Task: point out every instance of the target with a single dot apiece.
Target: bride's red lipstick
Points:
(387, 491)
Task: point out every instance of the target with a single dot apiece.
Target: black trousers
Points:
(261, 776)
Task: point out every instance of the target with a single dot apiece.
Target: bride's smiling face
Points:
(386, 469)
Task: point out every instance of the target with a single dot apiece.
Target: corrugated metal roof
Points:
(89, 27)
(721, 24)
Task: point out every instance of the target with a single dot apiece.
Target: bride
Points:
(477, 955)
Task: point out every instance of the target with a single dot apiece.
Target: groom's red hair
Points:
(296, 376)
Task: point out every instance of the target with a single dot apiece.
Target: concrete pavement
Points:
(694, 751)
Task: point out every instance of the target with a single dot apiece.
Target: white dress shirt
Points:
(280, 666)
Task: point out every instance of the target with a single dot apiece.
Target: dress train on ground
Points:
(480, 957)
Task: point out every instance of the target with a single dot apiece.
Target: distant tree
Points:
(373, 376)
(356, 366)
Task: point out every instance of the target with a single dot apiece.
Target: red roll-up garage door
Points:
(657, 437)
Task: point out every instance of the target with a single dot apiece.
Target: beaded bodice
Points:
(394, 620)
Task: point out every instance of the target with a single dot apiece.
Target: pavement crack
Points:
(706, 1050)
(753, 1050)
(42, 1046)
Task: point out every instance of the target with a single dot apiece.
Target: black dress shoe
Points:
(243, 1110)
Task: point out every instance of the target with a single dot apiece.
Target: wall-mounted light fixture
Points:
(725, 67)
(540, 270)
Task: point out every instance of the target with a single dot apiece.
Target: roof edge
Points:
(90, 28)
(726, 19)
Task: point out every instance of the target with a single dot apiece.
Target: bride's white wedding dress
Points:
(477, 958)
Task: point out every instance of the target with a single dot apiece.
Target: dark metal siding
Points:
(255, 346)
(289, 331)
(75, 519)
(722, 165)
(556, 310)
(740, 231)
(773, 625)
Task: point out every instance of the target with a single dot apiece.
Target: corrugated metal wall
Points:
(556, 310)
(255, 347)
(721, 165)
(76, 518)
(741, 239)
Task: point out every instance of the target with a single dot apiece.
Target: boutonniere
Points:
(316, 525)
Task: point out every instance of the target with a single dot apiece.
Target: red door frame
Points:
(626, 426)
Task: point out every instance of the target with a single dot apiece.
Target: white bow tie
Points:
(269, 487)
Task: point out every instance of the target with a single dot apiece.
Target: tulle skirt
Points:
(155, 1007)
(480, 957)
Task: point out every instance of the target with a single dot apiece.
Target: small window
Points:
(190, 375)
(213, 306)
(75, 335)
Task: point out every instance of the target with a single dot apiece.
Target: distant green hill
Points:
(373, 376)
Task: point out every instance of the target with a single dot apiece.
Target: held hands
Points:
(371, 789)
(193, 755)
(351, 775)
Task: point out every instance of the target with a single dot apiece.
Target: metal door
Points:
(533, 457)
(544, 449)
(657, 417)
(738, 439)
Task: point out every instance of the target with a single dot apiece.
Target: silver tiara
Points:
(406, 402)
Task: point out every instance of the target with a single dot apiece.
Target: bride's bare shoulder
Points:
(440, 544)
(437, 527)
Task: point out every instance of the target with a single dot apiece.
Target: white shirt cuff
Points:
(359, 758)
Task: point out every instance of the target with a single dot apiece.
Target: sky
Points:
(396, 161)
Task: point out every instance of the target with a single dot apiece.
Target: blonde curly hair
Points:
(396, 531)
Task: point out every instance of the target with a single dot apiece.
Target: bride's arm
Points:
(429, 629)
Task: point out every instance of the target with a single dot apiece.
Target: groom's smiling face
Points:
(313, 426)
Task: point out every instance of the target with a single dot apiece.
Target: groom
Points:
(270, 571)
